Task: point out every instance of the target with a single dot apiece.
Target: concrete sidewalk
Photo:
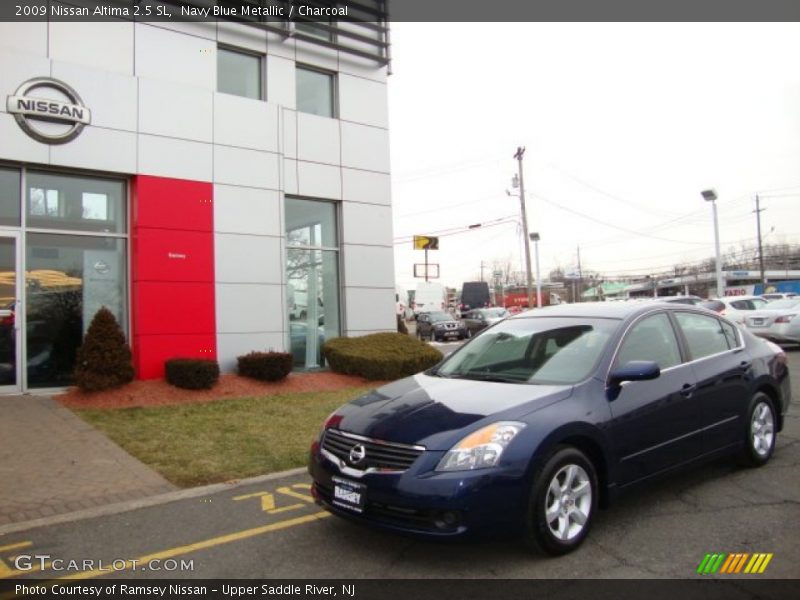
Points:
(52, 462)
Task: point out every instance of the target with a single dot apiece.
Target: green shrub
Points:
(380, 356)
(265, 366)
(103, 361)
(192, 373)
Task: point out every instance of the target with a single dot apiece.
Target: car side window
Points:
(652, 338)
(731, 336)
(704, 334)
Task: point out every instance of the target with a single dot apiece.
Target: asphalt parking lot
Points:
(270, 528)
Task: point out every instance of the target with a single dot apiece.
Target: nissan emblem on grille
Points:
(357, 454)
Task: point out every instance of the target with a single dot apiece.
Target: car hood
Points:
(429, 410)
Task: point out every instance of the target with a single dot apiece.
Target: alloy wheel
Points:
(569, 502)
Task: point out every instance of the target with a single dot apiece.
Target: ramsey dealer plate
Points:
(349, 494)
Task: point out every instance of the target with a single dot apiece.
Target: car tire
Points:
(562, 502)
(760, 431)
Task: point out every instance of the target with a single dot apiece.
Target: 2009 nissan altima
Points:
(547, 415)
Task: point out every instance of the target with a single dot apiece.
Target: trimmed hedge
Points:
(380, 356)
(192, 373)
(265, 366)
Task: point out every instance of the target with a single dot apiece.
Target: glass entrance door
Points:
(9, 314)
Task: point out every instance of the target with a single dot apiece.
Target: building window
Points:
(9, 197)
(75, 203)
(68, 278)
(315, 92)
(318, 29)
(239, 73)
(312, 275)
(64, 241)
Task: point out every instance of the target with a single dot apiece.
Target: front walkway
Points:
(52, 462)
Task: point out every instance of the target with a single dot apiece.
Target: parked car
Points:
(530, 426)
(779, 321)
(477, 320)
(736, 308)
(690, 300)
(439, 326)
(778, 296)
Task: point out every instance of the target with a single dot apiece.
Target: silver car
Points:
(779, 323)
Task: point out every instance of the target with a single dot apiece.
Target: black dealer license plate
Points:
(349, 494)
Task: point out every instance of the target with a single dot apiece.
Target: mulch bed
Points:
(157, 392)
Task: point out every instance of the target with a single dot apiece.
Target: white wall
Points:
(156, 111)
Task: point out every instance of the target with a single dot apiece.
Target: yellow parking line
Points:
(16, 546)
(209, 543)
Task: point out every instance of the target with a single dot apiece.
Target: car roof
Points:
(607, 310)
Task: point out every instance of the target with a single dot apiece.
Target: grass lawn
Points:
(195, 444)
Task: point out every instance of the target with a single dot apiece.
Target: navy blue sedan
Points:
(547, 415)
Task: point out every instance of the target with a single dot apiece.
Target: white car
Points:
(778, 296)
(779, 322)
(736, 308)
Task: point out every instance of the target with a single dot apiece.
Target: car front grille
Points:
(378, 454)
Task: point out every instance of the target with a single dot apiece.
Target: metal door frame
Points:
(19, 314)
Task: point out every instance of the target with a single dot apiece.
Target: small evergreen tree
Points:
(104, 359)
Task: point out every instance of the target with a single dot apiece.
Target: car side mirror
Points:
(635, 370)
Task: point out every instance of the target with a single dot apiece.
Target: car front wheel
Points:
(562, 503)
(761, 426)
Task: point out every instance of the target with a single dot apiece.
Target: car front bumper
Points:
(430, 504)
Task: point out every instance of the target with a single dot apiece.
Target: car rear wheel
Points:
(562, 503)
(761, 429)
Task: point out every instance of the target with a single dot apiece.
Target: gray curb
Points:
(120, 507)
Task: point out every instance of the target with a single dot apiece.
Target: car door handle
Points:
(745, 365)
(688, 389)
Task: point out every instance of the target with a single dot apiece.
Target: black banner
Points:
(732, 588)
(403, 10)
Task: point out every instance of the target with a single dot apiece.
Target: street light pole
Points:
(711, 196)
(535, 238)
(518, 155)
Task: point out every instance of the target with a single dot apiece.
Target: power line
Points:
(611, 225)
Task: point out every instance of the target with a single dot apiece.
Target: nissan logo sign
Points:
(357, 454)
(49, 110)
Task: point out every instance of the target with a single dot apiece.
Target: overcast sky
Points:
(624, 125)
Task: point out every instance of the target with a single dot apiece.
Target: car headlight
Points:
(481, 449)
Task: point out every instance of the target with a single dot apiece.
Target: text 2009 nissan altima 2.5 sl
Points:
(547, 415)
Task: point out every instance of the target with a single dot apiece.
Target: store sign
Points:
(49, 110)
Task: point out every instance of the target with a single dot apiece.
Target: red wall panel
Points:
(173, 203)
(173, 255)
(173, 307)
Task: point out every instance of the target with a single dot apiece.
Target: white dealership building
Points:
(221, 186)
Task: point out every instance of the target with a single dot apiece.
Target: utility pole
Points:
(482, 267)
(580, 276)
(758, 212)
(518, 155)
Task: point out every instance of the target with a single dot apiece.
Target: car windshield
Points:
(554, 350)
(440, 316)
(781, 304)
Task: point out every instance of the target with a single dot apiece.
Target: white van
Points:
(429, 297)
